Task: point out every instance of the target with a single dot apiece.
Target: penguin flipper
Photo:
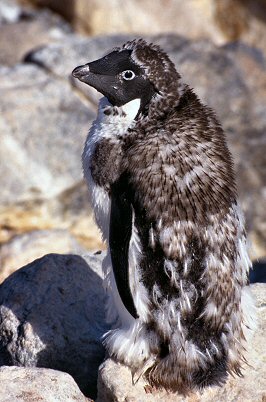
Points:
(119, 237)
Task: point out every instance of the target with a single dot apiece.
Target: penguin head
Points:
(117, 77)
(137, 70)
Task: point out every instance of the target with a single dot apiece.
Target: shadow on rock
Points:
(52, 315)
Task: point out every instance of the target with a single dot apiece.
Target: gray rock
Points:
(43, 126)
(20, 384)
(10, 11)
(115, 381)
(52, 315)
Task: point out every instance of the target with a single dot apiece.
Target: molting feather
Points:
(163, 190)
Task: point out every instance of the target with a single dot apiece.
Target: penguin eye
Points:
(128, 75)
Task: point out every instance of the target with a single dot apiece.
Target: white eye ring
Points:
(128, 75)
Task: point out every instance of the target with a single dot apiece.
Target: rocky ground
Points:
(52, 316)
(45, 117)
(51, 312)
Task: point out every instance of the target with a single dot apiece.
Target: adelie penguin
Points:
(162, 186)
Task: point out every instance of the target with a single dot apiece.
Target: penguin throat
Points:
(132, 108)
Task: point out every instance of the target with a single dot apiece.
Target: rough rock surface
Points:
(115, 381)
(70, 210)
(10, 11)
(52, 315)
(20, 384)
(42, 132)
(43, 127)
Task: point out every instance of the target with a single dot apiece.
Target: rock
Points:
(52, 315)
(23, 249)
(10, 11)
(43, 125)
(30, 29)
(115, 381)
(20, 384)
(221, 21)
(70, 211)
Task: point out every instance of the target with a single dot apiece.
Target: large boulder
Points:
(115, 380)
(220, 21)
(43, 127)
(52, 315)
(20, 384)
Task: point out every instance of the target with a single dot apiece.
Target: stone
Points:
(27, 247)
(115, 381)
(43, 125)
(10, 11)
(52, 315)
(70, 210)
(221, 21)
(20, 384)
(30, 29)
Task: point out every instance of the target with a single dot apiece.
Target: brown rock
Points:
(69, 211)
(115, 381)
(220, 21)
(23, 249)
(30, 30)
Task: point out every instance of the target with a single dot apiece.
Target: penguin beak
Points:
(93, 72)
(81, 71)
(84, 74)
(96, 74)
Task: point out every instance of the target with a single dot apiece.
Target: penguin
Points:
(162, 186)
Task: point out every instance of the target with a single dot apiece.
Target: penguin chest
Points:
(110, 124)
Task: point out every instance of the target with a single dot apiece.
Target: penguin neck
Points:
(132, 108)
(123, 116)
(162, 103)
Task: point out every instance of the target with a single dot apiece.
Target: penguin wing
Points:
(119, 238)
